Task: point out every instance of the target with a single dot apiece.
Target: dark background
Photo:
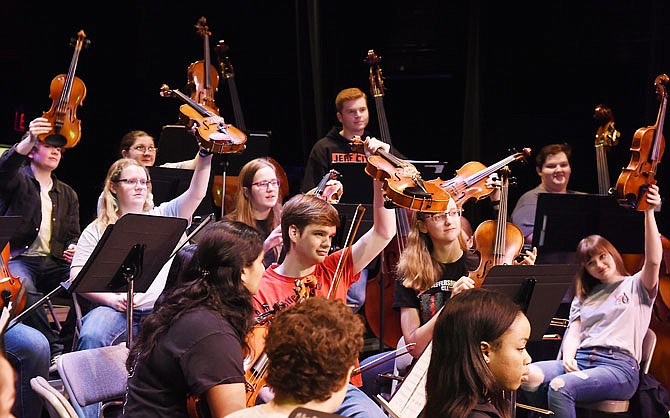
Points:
(465, 81)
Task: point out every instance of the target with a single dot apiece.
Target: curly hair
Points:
(470, 317)
(311, 347)
(110, 212)
(588, 247)
(212, 278)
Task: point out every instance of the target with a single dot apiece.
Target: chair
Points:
(612, 406)
(95, 375)
(56, 404)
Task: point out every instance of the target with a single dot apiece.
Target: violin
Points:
(11, 289)
(498, 242)
(606, 137)
(213, 134)
(67, 93)
(646, 152)
(256, 363)
(334, 195)
(470, 180)
(203, 79)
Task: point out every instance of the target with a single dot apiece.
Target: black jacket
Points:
(20, 196)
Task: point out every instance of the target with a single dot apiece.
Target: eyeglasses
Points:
(441, 217)
(134, 182)
(143, 149)
(266, 183)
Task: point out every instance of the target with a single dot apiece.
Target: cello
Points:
(67, 92)
(646, 151)
(203, 80)
(498, 242)
(606, 137)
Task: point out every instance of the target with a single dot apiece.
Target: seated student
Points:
(194, 343)
(308, 226)
(258, 204)
(483, 334)
(312, 349)
(609, 317)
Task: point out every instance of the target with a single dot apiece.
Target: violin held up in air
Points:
(67, 92)
(213, 134)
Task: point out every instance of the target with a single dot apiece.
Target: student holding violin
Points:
(43, 246)
(435, 265)
(308, 226)
(609, 316)
(353, 114)
(194, 342)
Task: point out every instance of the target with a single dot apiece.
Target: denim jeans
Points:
(604, 374)
(357, 404)
(39, 276)
(28, 352)
(356, 292)
(105, 326)
(372, 383)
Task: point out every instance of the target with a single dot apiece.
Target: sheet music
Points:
(410, 398)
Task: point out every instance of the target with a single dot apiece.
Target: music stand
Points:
(562, 220)
(537, 289)
(128, 257)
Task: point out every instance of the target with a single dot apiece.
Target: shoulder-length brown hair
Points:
(588, 247)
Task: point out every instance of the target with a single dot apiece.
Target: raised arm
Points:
(197, 190)
(383, 229)
(653, 249)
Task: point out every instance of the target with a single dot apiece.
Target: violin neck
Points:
(195, 105)
(208, 81)
(69, 79)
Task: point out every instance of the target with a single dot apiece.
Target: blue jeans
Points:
(105, 326)
(28, 352)
(39, 276)
(604, 374)
(372, 383)
(357, 404)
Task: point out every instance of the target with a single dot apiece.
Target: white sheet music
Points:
(410, 398)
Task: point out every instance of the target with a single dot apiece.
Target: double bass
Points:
(203, 78)
(67, 93)
(606, 137)
(646, 151)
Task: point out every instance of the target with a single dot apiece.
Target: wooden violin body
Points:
(333, 196)
(646, 151)
(67, 93)
(470, 180)
(498, 242)
(403, 185)
(11, 289)
(213, 134)
(203, 78)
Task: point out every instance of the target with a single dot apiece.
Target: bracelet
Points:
(204, 153)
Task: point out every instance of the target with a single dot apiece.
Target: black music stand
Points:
(562, 220)
(537, 289)
(128, 257)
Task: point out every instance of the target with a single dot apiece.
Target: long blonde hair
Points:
(110, 211)
(243, 211)
(417, 268)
